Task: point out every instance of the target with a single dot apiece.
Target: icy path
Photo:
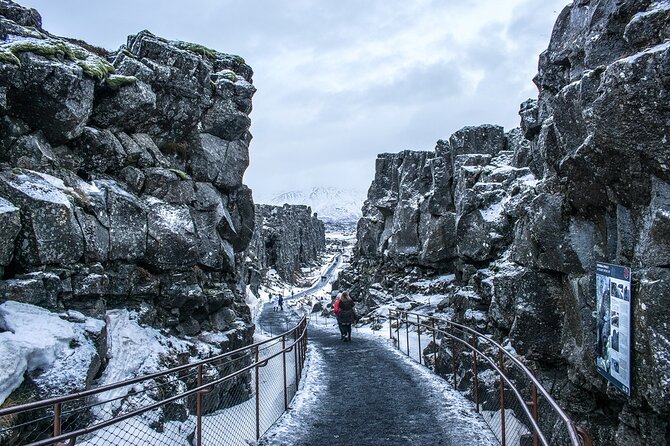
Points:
(365, 392)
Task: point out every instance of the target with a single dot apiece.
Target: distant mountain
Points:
(335, 207)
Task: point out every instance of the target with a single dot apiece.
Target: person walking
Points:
(346, 315)
(275, 303)
(336, 311)
(281, 303)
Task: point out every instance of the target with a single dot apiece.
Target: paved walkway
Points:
(364, 392)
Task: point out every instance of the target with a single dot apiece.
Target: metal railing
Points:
(229, 399)
(512, 401)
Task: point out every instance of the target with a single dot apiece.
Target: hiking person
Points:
(275, 303)
(336, 311)
(281, 303)
(346, 315)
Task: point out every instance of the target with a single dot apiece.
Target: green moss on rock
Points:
(93, 66)
(228, 74)
(198, 49)
(8, 57)
(96, 67)
(181, 174)
(117, 81)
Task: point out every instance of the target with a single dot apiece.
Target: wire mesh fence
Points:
(514, 404)
(230, 399)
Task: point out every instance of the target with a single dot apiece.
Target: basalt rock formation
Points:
(121, 179)
(285, 237)
(522, 217)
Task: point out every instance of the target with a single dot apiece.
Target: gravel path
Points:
(364, 392)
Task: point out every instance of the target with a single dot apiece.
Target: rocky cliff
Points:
(522, 217)
(285, 237)
(121, 182)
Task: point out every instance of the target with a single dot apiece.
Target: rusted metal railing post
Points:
(453, 357)
(198, 410)
(407, 331)
(283, 355)
(418, 334)
(296, 355)
(57, 416)
(501, 364)
(475, 376)
(584, 436)
(258, 395)
(533, 409)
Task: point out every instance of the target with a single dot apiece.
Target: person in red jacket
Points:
(336, 310)
(346, 315)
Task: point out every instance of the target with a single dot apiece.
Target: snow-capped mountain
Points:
(334, 206)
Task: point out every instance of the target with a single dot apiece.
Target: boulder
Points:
(126, 107)
(171, 238)
(50, 233)
(169, 185)
(100, 150)
(10, 225)
(219, 161)
(227, 117)
(36, 91)
(127, 222)
(32, 151)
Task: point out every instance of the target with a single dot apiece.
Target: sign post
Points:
(613, 324)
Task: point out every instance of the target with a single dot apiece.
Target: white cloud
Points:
(341, 81)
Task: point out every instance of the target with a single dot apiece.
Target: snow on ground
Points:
(235, 424)
(36, 338)
(132, 350)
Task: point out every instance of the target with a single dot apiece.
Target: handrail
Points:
(77, 395)
(297, 344)
(577, 436)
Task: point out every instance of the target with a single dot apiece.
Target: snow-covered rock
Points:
(60, 355)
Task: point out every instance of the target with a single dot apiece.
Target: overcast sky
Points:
(340, 81)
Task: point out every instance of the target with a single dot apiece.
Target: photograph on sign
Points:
(613, 324)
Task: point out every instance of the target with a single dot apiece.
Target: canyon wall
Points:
(121, 184)
(521, 218)
(285, 238)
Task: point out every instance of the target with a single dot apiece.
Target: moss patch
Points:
(93, 66)
(51, 49)
(228, 74)
(116, 81)
(240, 60)
(198, 49)
(96, 67)
(181, 174)
(8, 57)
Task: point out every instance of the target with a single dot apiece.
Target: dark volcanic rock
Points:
(121, 179)
(50, 81)
(285, 238)
(50, 233)
(521, 218)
